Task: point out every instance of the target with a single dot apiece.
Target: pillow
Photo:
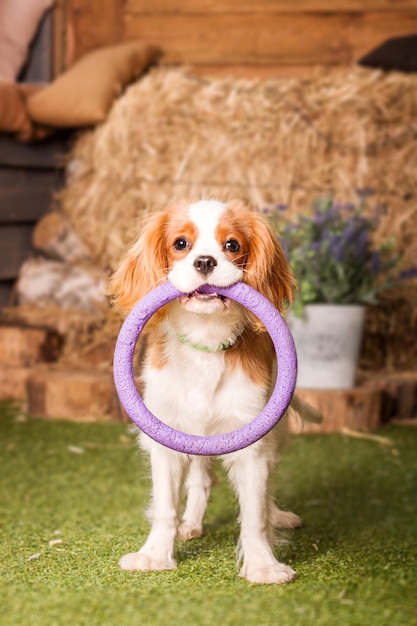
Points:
(19, 20)
(83, 95)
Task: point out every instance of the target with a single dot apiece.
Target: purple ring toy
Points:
(212, 445)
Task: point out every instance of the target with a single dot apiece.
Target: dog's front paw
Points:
(187, 532)
(276, 573)
(143, 562)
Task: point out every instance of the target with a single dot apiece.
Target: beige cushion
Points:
(83, 95)
(19, 21)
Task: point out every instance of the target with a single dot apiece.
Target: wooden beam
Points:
(355, 409)
(275, 39)
(399, 394)
(24, 346)
(61, 51)
(265, 6)
(72, 394)
(94, 23)
(252, 71)
(15, 245)
(26, 194)
(6, 293)
(48, 154)
(13, 382)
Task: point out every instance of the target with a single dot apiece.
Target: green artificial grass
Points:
(72, 501)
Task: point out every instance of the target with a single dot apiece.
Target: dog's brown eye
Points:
(232, 246)
(181, 244)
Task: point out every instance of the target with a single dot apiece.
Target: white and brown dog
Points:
(212, 390)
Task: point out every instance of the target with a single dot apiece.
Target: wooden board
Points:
(61, 41)
(251, 71)
(47, 154)
(15, 246)
(266, 6)
(354, 409)
(92, 24)
(26, 194)
(72, 394)
(398, 394)
(13, 382)
(24, 346)
(6, 292)
(270, 39)
(256, 33)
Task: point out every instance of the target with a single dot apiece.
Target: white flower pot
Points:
(327, 339)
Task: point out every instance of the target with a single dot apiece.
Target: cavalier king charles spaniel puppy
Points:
(208, 367)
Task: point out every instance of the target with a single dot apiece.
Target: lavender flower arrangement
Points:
(332, 253)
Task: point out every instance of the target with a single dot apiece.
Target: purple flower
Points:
(337, 248)
(365, 192)
(285, 248)
(410, 272)
(350, 231)
(361, 244)
(332, 253)
(375, 262)
(324, 213)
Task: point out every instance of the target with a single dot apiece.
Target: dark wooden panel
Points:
(38, 68)
(25, 195)
(46, 154)
(281, 39)
(15, 245)
(6, 292)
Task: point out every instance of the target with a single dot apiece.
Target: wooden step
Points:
(354, 409)
(24, 346)
(13, 382)
(399, 394)
(79, 395)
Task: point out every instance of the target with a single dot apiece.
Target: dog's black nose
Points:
(205, 264)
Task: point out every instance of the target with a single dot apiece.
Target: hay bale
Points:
(89, 336)
(54, 237)
(47, 283)
(281, 141)
(269, 141)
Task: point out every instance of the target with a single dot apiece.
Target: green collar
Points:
(222, 346)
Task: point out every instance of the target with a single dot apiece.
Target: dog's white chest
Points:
(199, 395)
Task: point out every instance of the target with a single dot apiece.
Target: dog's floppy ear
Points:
(144, 266)
(267, 269)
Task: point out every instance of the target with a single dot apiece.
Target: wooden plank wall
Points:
(30, 174)
(29, 177)
(261, 37)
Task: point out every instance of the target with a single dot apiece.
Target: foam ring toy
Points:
(212, 445)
